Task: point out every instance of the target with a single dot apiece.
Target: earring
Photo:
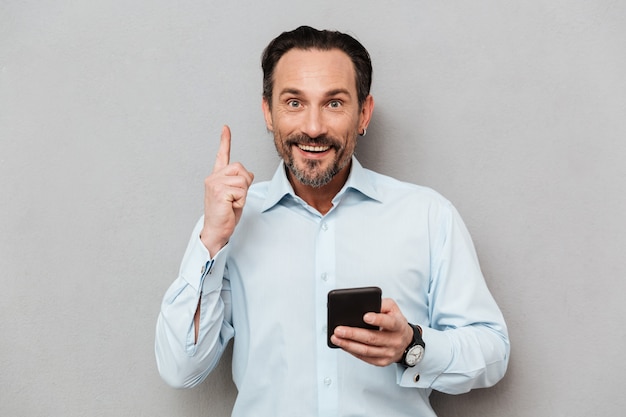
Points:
(364, 132)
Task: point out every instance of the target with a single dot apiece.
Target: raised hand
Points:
(225, 192)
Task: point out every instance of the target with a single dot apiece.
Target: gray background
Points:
(110, 113)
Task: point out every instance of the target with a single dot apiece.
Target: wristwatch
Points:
(415, 351)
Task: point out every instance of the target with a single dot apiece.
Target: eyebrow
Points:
(337, 91)
(329, 93)
(293, 91)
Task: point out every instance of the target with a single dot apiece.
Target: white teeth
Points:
(314, 148)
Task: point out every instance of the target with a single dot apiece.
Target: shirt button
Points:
(416, 377)
(324, 276)
(203, 269)
(324, 226)
(327, 381)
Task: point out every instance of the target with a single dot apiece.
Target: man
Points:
(263, 258)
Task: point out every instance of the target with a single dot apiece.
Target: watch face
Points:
(414, 355)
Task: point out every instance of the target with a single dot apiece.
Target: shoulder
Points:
(393, 190)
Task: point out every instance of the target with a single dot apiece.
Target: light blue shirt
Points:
(268, 289)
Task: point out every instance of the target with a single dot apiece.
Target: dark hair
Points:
(306, 37)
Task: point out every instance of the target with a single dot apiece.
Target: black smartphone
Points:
(347, 306)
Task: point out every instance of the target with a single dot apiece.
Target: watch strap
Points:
(417, 341)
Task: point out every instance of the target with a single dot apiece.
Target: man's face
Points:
(315, 114)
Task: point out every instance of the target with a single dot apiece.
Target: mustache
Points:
(302, 139)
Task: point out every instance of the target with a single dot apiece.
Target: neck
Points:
(320, 198)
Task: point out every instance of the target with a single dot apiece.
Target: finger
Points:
(237, 170)
(389, 318)
(377, 348)
(362, 347)
(223, 153)
(226, 182)
(356, 335)
(387, 305)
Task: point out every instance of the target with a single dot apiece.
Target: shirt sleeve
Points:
(181, 362)
(467, 343)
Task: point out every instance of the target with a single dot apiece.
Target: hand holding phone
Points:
(347, 306)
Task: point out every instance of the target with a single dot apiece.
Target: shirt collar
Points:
(359, 180)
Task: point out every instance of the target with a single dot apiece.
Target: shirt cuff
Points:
(199, 270)
(437, 357)
(213, 271)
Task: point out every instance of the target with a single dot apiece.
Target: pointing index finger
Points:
(223, 153)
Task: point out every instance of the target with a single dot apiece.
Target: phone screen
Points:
(347, 306)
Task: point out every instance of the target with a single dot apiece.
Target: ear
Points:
(267, 113)
(366, 112)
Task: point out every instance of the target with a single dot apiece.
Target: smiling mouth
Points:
(309, 148)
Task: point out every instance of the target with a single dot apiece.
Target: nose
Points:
(314, 124)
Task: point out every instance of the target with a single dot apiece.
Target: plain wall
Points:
(110, 113)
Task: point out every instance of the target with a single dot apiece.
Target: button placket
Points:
(328, 396)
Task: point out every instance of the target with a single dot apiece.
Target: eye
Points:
(294, 104)
(334, 104)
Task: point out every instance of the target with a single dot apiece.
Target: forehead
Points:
(315, 70)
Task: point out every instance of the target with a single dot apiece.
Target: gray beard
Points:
(318, 180)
